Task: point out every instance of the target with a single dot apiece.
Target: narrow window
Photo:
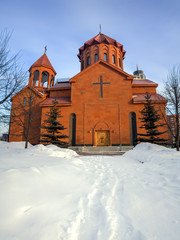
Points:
(24, 102)
(105, 57)
(44, 79)
(113, 58)
(82, 65)
(88, 61)
(35, 78)
(96, 57)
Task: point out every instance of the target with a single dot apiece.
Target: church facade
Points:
(100, 105)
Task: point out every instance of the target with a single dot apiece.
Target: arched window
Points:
(113, 58)
(96, 57)
(35, 78)
(45, 78)
(88, 61)
(105, 57)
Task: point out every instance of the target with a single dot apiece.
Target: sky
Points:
(148, 30)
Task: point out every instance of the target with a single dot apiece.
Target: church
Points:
(100, 106)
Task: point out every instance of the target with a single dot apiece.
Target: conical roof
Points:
(43, 61)
(101, 38)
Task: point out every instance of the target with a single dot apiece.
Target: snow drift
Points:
(51, 193)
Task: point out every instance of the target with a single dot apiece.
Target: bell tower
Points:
(42, 73)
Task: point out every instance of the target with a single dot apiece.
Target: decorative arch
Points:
(101, 125)
(133, 128)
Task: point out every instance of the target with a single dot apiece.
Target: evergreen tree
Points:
(150, 119)
(53, 127)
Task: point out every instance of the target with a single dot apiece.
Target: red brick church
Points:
(100, 105)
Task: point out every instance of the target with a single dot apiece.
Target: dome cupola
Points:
(101, 47)
(139, 74)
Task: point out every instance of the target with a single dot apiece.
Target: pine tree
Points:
(53, 127)
(150, 119)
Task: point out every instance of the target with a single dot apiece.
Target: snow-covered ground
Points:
(48, 193)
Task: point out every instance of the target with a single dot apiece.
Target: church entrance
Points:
(102, 138)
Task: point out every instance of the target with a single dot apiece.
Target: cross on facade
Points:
(101, 83)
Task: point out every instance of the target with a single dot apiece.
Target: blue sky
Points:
(149, 31)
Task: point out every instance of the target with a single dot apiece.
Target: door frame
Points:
(95, 136)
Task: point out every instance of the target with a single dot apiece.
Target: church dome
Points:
(139, 74)
(101, 38)
(101, 47)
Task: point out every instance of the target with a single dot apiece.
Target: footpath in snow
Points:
(48, 193)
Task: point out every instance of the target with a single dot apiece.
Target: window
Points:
(142, 76)
(24, 101)
(113, 58)
(36, 75)
(88, 61)
(82, 65)
(45, 78)
(105, 57)
(96, 57)
(35, 78)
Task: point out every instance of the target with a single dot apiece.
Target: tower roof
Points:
(43, 61)
(101, 38)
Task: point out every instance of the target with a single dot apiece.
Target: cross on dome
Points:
(45, 48)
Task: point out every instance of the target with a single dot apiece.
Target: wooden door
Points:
(102, 138)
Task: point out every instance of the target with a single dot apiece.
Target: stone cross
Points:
(101, 83)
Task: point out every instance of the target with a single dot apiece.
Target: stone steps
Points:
(101, 150)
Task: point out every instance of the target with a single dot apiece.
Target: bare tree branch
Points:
(12, 77)
(172, 94)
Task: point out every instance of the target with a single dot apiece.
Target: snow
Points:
(51, 193)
